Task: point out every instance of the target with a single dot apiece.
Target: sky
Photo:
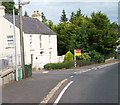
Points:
(52, 9)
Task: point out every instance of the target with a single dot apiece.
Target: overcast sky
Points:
(52, 9)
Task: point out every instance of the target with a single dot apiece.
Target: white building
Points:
(40, 42)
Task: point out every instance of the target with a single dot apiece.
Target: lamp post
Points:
(21, 36)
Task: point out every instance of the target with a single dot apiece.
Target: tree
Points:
(26, 14)
(43, 17)
(63, 17)
(9, 7)
(78, 13)
(103, 34)
(51, 25)
(72, 16)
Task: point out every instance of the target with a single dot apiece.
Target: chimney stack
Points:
(2, 11)
(37, 14)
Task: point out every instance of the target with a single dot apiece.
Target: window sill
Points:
(9, 47)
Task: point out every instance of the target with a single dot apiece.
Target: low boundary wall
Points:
(7, 76)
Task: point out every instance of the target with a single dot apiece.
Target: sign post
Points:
(75, 58)
(77, 52)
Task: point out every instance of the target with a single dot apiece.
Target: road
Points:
(96, 86)
(87, 85)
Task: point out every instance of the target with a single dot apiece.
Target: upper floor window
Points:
(10, 41)
(30, 41)
(49, 40)
(40, 39)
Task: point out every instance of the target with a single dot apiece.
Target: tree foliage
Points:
(95, 33)
(68, 56)
(26, 14)
(43, 17)
(63, 17)
(9, 7)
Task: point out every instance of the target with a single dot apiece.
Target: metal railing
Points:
(7, 61)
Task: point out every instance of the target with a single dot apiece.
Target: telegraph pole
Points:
(21, 39)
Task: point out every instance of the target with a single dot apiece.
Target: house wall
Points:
(7, 29)
(49, 46)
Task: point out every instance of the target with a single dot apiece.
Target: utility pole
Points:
(15, 44)
(21, 39)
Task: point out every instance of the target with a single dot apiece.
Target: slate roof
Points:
(31, 25)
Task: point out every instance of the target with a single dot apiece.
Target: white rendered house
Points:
(40, 42)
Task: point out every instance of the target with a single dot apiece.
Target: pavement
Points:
(34, 89)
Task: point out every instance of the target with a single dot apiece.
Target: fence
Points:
(7, 61)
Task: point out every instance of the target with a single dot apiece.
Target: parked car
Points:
(118, 50)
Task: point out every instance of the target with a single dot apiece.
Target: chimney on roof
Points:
(37, 14)
(2, 11)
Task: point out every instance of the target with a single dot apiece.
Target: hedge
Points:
(64, 65)
(83, 62)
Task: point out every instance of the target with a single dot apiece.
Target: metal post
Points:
(21, 39)
(15, 44)
(75, 57)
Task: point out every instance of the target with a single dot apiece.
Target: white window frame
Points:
(40, 40)
(50, 41)
(10, 40)
(31, 41)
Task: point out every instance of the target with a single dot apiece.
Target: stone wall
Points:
(7, 76)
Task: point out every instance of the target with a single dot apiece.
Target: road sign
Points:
(78, 52)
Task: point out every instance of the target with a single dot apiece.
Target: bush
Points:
(84, 56)
(64, 65)
(83, 59)
(97, 56)
(68, 56)
(83, 62)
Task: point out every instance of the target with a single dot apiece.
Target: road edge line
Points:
(52, 92)
(62, 92)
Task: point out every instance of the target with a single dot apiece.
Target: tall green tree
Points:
(26, 14)
(51, 25)
(103, 34)
(9, 7)
(63, 17)
(78, 13)
(43, 17)
(95, 33)
(72, 16)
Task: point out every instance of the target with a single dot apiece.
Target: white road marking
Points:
(75, 72)
(52, 92)
(45, 72)
(62, 92)
(71, 76)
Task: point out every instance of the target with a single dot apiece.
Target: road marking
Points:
(45, 72)
(52, 92)
(71, 76)
(75, 72)
(62, 92)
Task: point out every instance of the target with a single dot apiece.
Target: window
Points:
(50, 56)
(40, 38)
(49, 40)
(10, 41)
(30, 41)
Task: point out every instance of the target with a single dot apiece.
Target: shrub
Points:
(97, 56)
(68, 56)
(64, 65)
(84, 56)
(83, 59)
